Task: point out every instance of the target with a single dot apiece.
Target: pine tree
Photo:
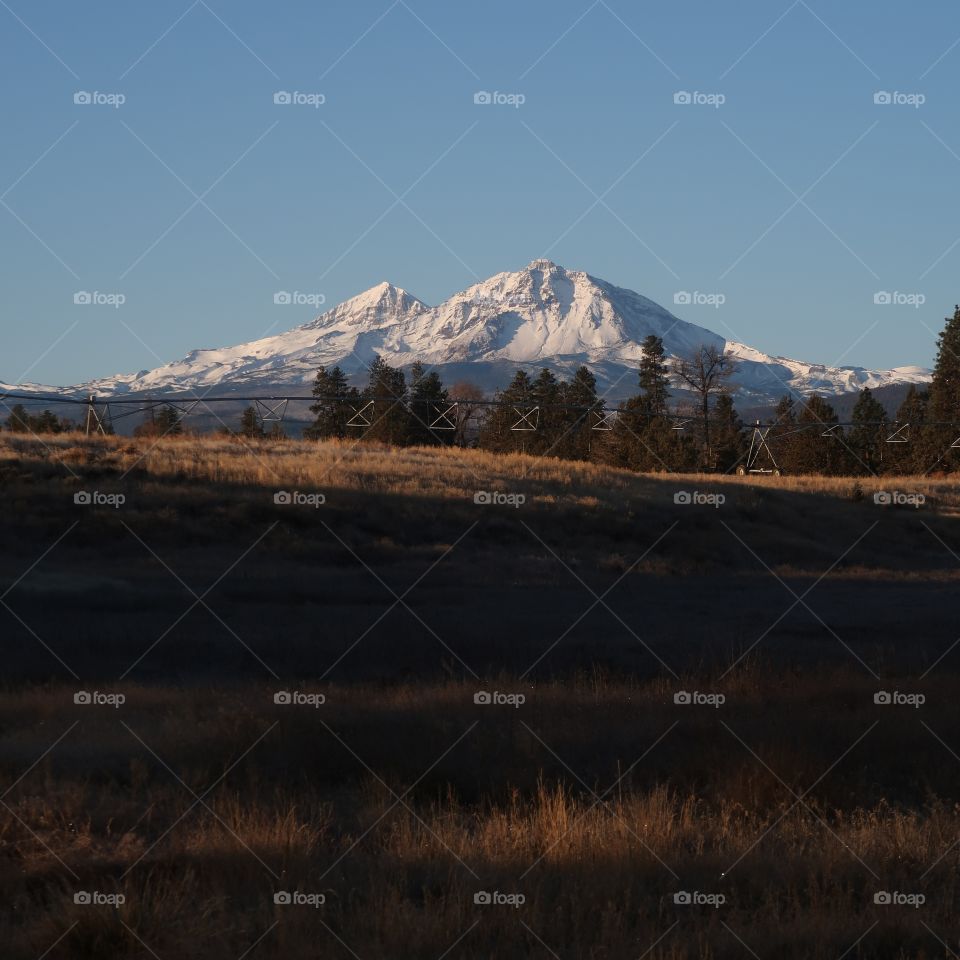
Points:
(428, 400)
(250, 424)
(334, 404)
(496, 429)
(810, 451)
(944, 402)
(580, 410)
(387, 390)
(869, 432)
(545, 394)
(19, 420)
(654, 378)
(729, 440)
(169, 422)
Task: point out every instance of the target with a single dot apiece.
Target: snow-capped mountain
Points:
(543, 315)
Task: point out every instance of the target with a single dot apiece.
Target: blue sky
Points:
(798, 198)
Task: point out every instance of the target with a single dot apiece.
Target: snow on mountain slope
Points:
(543, 315)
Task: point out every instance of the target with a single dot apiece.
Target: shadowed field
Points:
(583, 799)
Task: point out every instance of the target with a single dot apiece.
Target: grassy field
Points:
(682, 707)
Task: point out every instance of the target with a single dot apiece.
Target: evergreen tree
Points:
(811, 452)
(944, 402)
(334, 404)
(428, 400)
(654, 378)
(163, 422)
(729, 440)
(581, 410)
(19, 420)
(496, 429)
(250, 424)
(387, 389)
(545, 393)
(869, 432)
(914, 450)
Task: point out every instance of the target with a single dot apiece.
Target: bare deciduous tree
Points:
(705, 373)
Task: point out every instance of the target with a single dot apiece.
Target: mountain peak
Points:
(540, 315)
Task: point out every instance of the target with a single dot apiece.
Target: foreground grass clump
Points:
(588, 807)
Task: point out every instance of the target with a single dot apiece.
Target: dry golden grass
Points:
(597, 799)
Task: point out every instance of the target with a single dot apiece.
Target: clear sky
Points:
(198, 198)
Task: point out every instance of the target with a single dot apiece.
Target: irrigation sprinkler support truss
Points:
(360, 417)
(603, 421)
(758, 443)
(446, 419)
(896, 437)
(272, 410)
(529, 418)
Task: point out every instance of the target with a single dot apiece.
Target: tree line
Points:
(545, 415)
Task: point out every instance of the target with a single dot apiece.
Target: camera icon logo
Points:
(682, 297)
(282, 497)
(682, 497)
(283, 697)
(482, 898)
(682, 897)
(482, 697)
(882, 97)
(82, 97)
(282, 898)
(682, 97)
(482, 497)
(82, 897)
(82, 498)
(282, 298)
(882, 697)
(882, 498)
(882, 298)
(482, 97)
(882, 898)
(682, 697)
(282, 97)
(82, 696)
(82, 298)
